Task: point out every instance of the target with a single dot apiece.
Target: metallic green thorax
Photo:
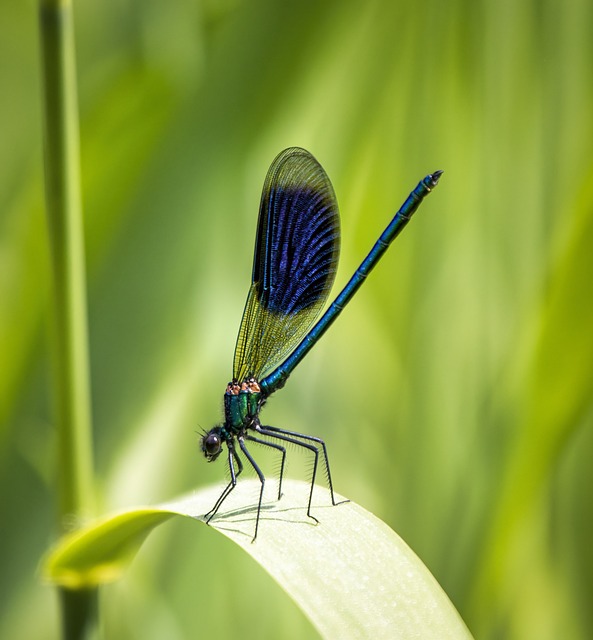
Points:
(242, 402)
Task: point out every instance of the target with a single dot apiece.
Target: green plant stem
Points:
(79, 609)
(74, 463)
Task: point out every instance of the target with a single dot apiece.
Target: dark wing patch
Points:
(295, 262)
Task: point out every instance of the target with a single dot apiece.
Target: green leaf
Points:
(351, 574)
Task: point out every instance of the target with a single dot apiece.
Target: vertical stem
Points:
(79, 613)
(64, 211)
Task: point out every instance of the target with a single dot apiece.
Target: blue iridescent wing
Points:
(296, 256)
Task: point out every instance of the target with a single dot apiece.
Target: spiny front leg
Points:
(232, 455)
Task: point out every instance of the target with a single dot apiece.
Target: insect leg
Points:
(319, 441)
(232, 455)
(279, 448)
(261, 479)
(285, 436)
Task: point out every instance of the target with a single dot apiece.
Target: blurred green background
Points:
(455, 392)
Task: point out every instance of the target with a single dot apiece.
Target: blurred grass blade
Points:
(64, 214)
(561, 387)
(351, 574)
(559, 394)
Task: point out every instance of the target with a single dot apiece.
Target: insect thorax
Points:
(242, 401)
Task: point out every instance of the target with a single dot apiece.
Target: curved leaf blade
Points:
(99, 553)
(350, 574)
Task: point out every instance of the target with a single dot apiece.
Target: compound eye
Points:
(211, 444)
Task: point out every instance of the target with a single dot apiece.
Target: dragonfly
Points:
(296, 255)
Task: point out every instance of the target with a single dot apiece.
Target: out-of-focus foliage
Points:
(455, 392)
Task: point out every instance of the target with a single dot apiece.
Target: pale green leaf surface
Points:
(351, 574)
